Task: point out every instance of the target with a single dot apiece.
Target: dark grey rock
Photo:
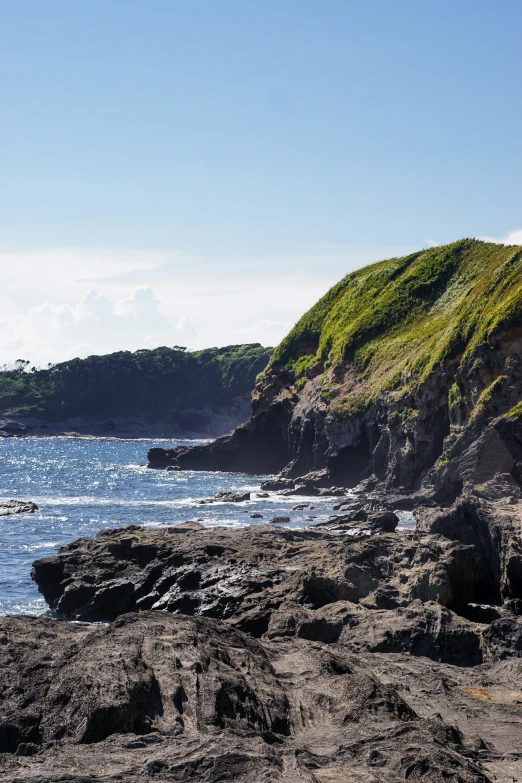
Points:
(170, 698)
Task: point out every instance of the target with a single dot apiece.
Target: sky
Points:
(200, 172)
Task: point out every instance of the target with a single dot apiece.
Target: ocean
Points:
(84, 485)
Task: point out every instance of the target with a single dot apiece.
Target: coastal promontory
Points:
(164, 392)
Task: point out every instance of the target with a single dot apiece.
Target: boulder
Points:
(226, 497)
(12, 427)
(364, 522)
(273, 485)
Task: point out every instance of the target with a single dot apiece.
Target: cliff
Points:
(406, 376)
(164, 392)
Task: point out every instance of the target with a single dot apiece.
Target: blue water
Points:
(84, 485)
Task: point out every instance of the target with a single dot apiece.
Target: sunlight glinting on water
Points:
(85, 485)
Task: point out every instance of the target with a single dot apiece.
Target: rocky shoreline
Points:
(349, 650)
(208, 422)
(8, 507)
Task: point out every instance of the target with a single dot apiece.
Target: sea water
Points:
(84, 485)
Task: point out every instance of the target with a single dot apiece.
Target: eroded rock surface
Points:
(494, 529)
(163, 697)
(243, 576)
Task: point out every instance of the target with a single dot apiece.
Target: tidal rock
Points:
(281, 520)
(12, 427)
(242, 576)
(365, 522)
(17, 507)
(308, 490)
(226, 497)
(273, 485)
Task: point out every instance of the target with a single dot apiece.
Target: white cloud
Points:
(54, 332)
(65, 302)
(514, 238)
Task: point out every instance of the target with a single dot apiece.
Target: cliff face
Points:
(407, 374)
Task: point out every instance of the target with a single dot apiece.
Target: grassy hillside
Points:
(146, 383)
(393, 322)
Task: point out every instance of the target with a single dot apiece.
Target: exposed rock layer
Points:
(171, 698)
(244, 576)
(406, 375)
(364, 657)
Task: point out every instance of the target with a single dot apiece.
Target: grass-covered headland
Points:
(395, 321)
(149, 384)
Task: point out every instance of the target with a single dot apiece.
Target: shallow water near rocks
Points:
(84, 485)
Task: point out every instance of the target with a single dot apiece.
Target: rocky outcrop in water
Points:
(340, 583)
(8, 507)
(245, 576)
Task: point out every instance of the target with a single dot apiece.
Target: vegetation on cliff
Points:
(392, 323)
(146, 383)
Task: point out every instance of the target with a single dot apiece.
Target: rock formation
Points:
(8, 507)
(348, 651)
(403, 383)
(407, 375)
(167, 698)
(334, 653)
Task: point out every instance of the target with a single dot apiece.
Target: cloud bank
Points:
(52, 332)
(514, 238)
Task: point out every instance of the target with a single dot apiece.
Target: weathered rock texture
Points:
(344, 652)
(494, 529)
(378, 592)
(169, 698)
(403, 383)
(244, 576)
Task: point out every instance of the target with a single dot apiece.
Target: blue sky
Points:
(237, 158)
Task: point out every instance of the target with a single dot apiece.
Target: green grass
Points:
(516, 412)
(454, 396)
(392, 323)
